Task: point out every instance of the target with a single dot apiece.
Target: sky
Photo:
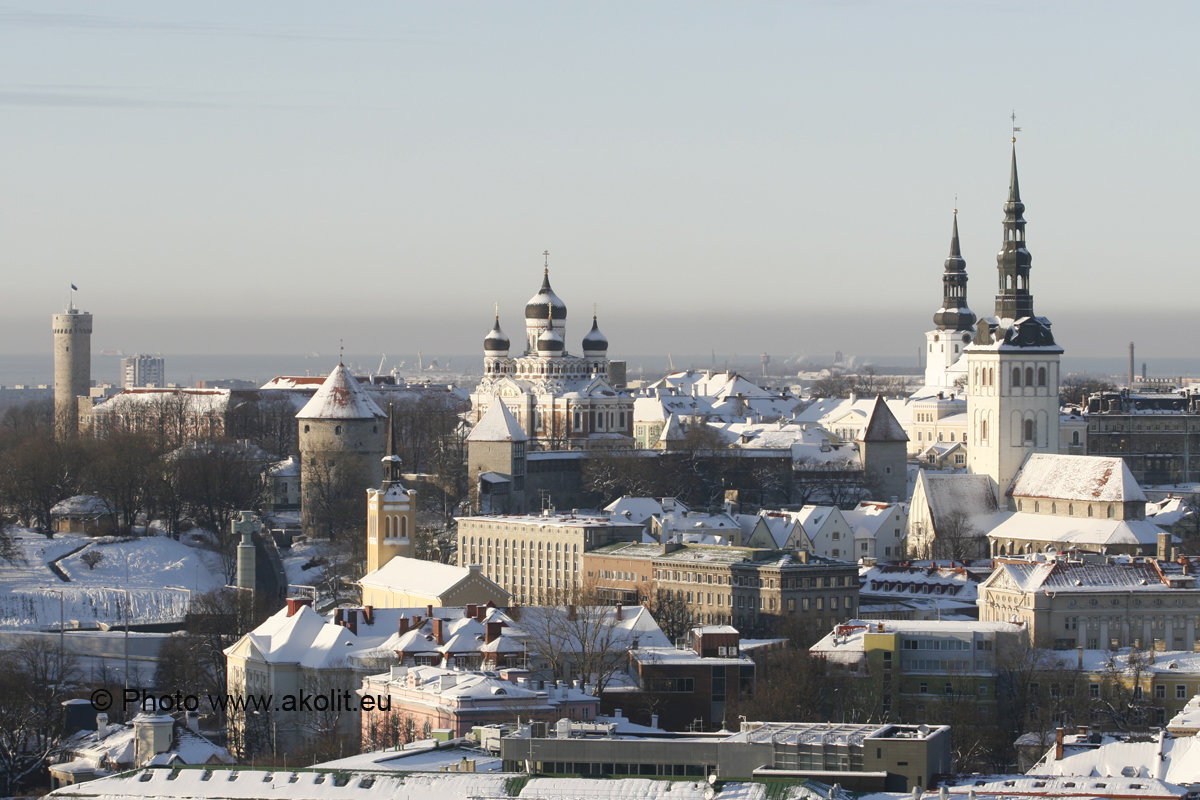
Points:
(276, 177)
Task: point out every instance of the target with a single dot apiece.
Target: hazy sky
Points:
(738, 176)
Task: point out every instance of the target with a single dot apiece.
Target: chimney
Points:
(294, 604)
(570, 612)
(337, 616)
(1079, 650)
(1058, 743)
(439, 635)
(470, 610)
(619, 612)
(101, 725)
(481, 612)
(403, 629)
(351, 620)
(369, 615)
(429, 611)
(1164, 546)
(492, 631)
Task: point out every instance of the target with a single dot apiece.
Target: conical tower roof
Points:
(883, 425)
(497, 425)
(340, 397)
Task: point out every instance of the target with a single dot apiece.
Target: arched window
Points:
(1029, 430)
(1029, 376)
(1016, 381)
(991, 376)
(1110, 511)
(1041, 376)
(1074, 437)
(983, 431)
(404, 528)
(1089, 510)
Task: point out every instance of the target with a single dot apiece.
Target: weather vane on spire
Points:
(497, 310)
(546, 253)
(956, 204)
(1015, 129)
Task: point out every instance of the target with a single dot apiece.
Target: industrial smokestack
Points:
(1131, 365)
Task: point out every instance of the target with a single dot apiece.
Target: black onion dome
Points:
(595, 343)
(550, 341)
(496, 341)
(545, 302)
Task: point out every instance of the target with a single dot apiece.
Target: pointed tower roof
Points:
(595, 344)
(954, 314)
(392, 461)
(496, 341)
(882, 425)
(497, 425)
(673, 431)
(340, 397)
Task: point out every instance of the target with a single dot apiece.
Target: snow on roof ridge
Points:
(340, 397)
(497, 425)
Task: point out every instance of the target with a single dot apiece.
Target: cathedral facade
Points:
(561, 401)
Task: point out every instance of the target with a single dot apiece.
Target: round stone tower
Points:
(342, 438)
(72, 366)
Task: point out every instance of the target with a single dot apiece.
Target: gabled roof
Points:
(882, 425)
(673, 431)
(1081, 478)
(419, 577)
(497, 425)
(340, 397)
(946, 494)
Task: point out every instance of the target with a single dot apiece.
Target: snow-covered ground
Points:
(305, 553)
(159, 573)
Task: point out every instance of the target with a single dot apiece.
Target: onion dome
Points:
(545, 304)
(496, 343)
(550, 343)
(595, 344)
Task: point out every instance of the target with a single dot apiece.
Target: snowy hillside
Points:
(159, 573)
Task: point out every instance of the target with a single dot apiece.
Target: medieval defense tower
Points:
(341, 438)
(72, 366)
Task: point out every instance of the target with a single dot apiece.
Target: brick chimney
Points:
(369, 615)
(403, 628)
(470, 610)
(620, 611)
(439, 635)
(492, 631)
(570, 612)
(429, 610)
(294, 604)
(1058, 743)
(350, 620)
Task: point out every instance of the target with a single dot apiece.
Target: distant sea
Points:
(187, 369)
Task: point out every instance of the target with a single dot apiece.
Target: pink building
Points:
(420, 700)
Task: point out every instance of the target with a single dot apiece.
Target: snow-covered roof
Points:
(1161, 758)
(1085, 532)
(882, 425)
(1124, 574)
(340, 397)
(81, 504)
(948, 494)
(497, 425)
(1080, 478)
(418, 576)
(846, 644)
(906, 582)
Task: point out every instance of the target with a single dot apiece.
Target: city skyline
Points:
(760, 177)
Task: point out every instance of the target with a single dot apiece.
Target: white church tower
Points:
(954, 327)
(1012, 366)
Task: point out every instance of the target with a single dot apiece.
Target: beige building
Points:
(538, 559)
(1120, 602)
(752, 589)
